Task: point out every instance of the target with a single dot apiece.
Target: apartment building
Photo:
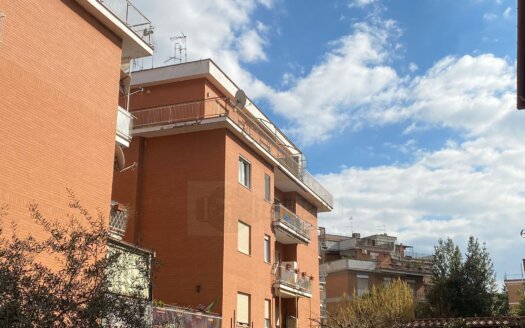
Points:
(223, 197)
(64, 81)
(352, 265)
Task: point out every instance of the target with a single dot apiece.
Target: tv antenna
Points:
(179, 49)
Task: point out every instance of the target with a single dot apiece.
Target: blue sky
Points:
(405, 109)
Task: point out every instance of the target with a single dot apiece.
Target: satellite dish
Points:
(522, 233)
(120, 161)
(240, 99)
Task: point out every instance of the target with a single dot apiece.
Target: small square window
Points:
(245, 172)
(266, 249)
(243, 238)
(267, 187)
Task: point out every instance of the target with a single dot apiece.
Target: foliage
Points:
(60, 279)
(463, 288)
(521, 308)
(500, 305)
(384, 307)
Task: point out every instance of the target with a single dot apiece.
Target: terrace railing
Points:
(221, 107)
(292, 221)
(128, 14)
(287, 276)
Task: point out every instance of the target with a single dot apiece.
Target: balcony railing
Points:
(118, 219)
(124, 120)
(286, 275)
(293, 223)
(220, 107)
(128, 14)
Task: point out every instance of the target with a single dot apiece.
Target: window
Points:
(244, 172)
(2, 23)
(267, 189)
(243, 238)
(362, 285)
(243, 309)
(266, 249)
(412, 285)
(267, 304)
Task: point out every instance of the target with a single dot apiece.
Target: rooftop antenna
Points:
(179, 49)
(351, 219)
(382, 227)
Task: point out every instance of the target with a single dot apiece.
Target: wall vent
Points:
(2, 26)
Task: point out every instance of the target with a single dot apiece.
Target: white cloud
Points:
(489, 16)
(507, 13)
(219, 29)
(319, 108)
(361, 3)
(412, 67)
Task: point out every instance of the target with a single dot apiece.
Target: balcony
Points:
(128, 14)
(118, 220)
(289, 228)
(290, 282)
(153, 120)
(124, 120)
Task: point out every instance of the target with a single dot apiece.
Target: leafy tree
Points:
(463, 288)
(384, 307)
(445, 297)
(70, 288)
(500, 305)
(479, 281)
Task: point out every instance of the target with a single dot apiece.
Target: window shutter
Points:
(243, 238)
(243, 308)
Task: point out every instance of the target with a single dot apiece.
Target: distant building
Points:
(515, 287)
(352, 265)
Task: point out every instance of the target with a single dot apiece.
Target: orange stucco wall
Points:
(59, 76)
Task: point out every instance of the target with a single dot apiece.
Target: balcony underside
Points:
(289, 291)
(286, 235)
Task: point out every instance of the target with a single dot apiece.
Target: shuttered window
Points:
(362, 285)
(267, 305)
(243, 309)
(267, 189)
(267, 249)
(243, 238)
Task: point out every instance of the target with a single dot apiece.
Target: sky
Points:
(404, 109)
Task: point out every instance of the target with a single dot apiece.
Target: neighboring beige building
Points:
(352, 265)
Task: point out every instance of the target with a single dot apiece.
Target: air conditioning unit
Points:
(291, 322)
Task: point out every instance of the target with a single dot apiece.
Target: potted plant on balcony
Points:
(297, 270)
(311, 278)
(288, 266)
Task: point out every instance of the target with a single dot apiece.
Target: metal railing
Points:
(179, 317)
(292, 221)
(220, 107)
(288, 276)
(128, 14)
(118, 219)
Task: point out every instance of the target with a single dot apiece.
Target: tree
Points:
(71, 287)
(462, 288)
(479, 280)
(445, 297)
(385, 307)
